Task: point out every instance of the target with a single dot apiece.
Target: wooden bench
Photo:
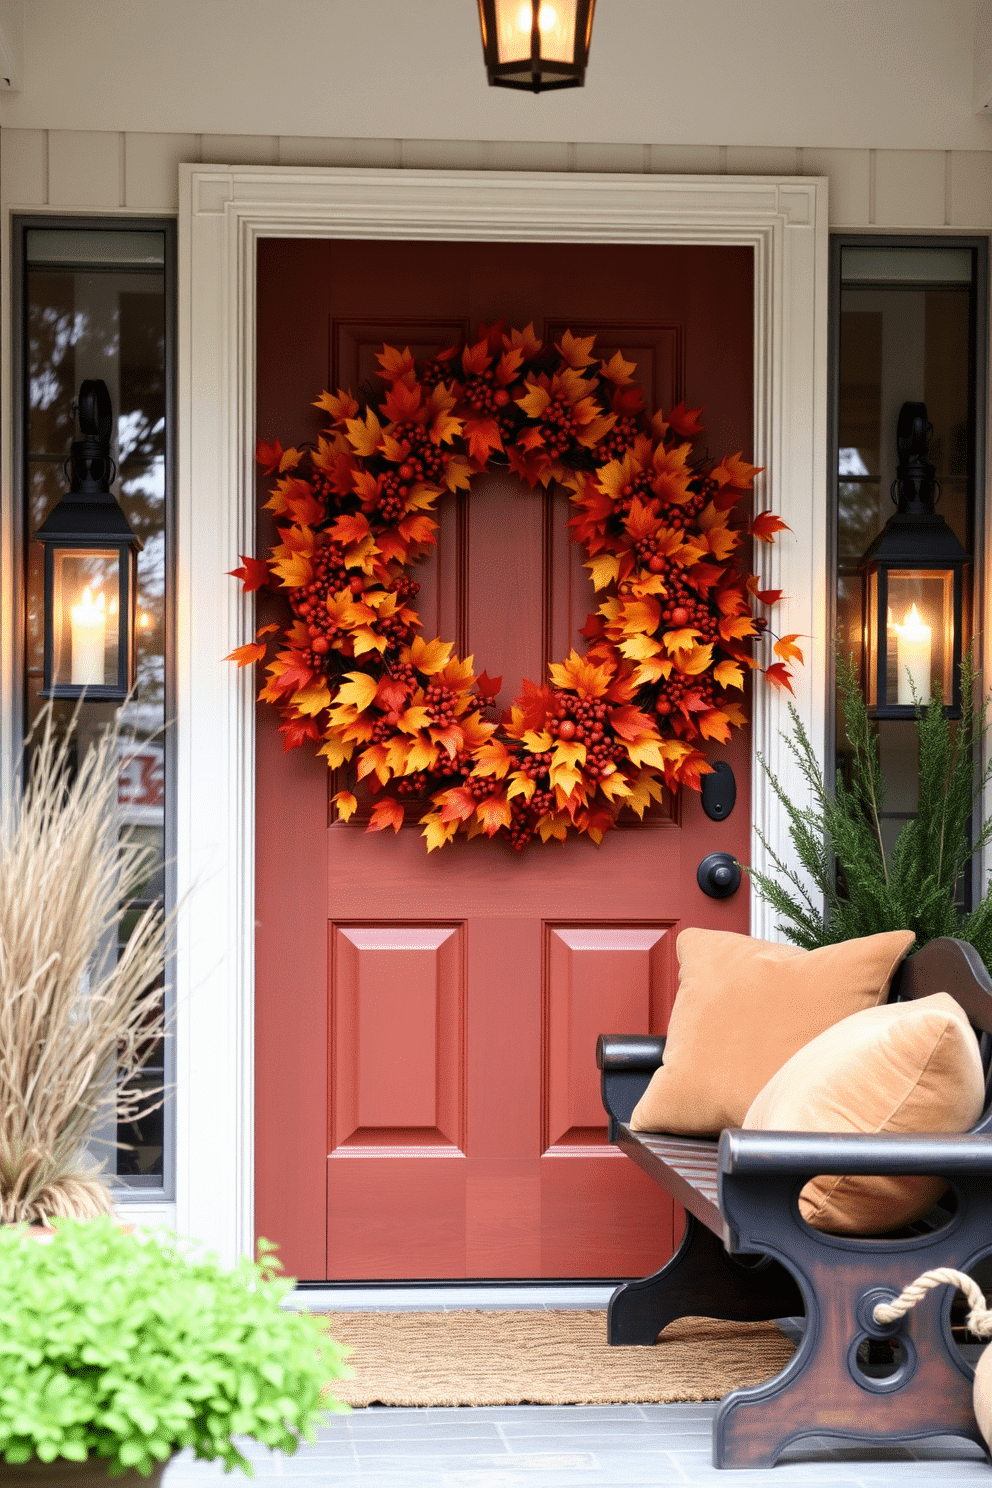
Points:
(746, 1254)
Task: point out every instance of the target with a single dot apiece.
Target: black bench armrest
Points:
(759, 1154)
(627, 1060)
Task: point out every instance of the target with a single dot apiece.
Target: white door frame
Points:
(223, 212)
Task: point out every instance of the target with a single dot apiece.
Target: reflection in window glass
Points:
(95, 308)
(907, 334)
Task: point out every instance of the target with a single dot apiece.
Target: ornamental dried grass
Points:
(77, 1021)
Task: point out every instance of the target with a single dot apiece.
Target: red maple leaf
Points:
(766, 524)
(779, 675)
(296, 732)
(489, 687)
(685, 421)
(253, 574)
(593, 628)
(268, 456)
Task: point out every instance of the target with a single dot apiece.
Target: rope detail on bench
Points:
(979, 1318)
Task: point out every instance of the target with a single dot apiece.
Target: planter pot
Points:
(64, 1474)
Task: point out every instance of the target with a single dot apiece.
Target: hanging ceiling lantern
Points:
(536, 45)
(91, 565)
(914, 588)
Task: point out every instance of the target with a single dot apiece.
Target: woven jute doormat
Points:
(544, 1358)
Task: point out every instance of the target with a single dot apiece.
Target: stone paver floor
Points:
(612, 1446)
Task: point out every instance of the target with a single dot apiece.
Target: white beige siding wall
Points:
(110, 171)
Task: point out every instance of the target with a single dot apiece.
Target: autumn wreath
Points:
(664, 654)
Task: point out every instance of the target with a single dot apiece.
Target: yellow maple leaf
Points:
(538, 741)
(520, 785)
(680, 640)
(436, 832)
(617, 370)
(346, 804)
(313, 699)
(646, 752)
(429, 656)
(534, 401)
(639, 647)
(335, 751)
(421, 756)
(605, 568)
(728, 674)
(695, 661)
(365, 435)
(357, 691)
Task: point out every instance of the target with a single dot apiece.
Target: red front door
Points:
(426, 1093)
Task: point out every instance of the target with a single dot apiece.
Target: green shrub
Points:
(128, 1348)
(852, 886)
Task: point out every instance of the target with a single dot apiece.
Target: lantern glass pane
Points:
(919, 635)
(555, 22)
(86, 595)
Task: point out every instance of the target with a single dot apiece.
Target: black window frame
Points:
(125, 1190)
(979, 374)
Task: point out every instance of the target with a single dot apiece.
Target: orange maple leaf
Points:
(575, 349)
(247, 655)
(386, 813)
(493, 813)
(483, 436)
(766, 524)
(630, 723)
(617, 370)
(268, 456)
(458, 804)
(340, 406)
(787, 650)
(395, 364)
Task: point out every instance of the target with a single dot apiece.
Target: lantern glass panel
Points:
(919, 647)
(514, 24)
(86, 597)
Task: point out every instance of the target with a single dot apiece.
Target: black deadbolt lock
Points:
(719, 791)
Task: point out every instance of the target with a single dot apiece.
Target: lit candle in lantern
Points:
(913, 657)
(89, 640)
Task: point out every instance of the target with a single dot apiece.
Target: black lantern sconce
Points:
(91, 567)
(913, 588)
(536, 45)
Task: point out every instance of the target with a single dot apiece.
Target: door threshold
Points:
(447, 1298)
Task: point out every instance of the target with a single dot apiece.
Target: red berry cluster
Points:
(310, 601)
(439, 704)
(322, 486)
(558, 426)
(413, 786)
(398, 632)
(619, 440)
(535, 765)
(522, 823)
(683, 607)
(483, 786)
(425, 459)
(684, 513)
(433, 371)
(402, 671)
(678, 690)
(581, 719)
(543, 802)
(638, 489)
(481, 394)
(390, 503)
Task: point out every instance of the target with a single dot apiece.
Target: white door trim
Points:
(223, 212)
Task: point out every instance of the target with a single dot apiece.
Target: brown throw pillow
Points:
(907, 1067)
(743, 1008)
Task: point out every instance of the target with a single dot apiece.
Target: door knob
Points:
(718, 875)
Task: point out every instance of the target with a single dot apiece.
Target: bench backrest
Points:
(953, 966)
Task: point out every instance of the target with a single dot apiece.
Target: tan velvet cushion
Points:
(743, 1008)
(907, 1067)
